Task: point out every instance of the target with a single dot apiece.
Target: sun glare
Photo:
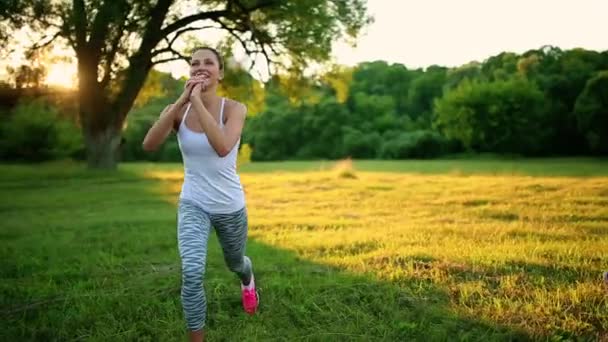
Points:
(61, 75)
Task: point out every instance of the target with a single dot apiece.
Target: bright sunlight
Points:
(62, 75)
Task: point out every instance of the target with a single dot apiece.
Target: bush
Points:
(170, 151)
(134, 136)
(361, 145)
(416, 144)
(274, 135)
(507, 116)
(35, 132)
(591, 111)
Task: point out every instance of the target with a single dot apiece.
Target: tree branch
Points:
(192, 18)
(257, 6)
(153, 33)
(140, 62)
(112, 53)
(80, 24)
(45, 44)
(100, 29)
(177, 34)
(214, 15)
(161, 61)
(234, 31)
(174, 52)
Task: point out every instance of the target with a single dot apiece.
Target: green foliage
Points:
(370, 111)
(562, 76)
(274, 134)
(139, 123)
(156, 86)
(423, 91)
(509, 104)
(500, 67)
(382, 79)
(592, 112)
(360, 144)
(470, 71)
(118, 42)
(35, 131)
(239, 84)
(322, 130)
(543, 102)
(500, 116)
(417, 144)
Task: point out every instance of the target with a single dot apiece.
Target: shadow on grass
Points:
(310, 301)
(80, 282)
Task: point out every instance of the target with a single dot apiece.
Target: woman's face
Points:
(205, 63)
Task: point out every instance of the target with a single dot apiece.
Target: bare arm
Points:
(222, 140)
(158, 133)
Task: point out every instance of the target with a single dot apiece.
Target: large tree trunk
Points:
(102, 110)
(102, 147)
(101, 121)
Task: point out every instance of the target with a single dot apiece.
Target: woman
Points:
(208, 130)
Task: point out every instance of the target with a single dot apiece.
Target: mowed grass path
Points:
(441, 253)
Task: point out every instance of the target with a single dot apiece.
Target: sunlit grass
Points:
(341, 253)
(517, 250)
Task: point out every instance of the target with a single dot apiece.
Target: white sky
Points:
(419, 33)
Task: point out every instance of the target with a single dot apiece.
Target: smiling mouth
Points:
(201, 73)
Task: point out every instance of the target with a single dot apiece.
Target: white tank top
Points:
(209, 180)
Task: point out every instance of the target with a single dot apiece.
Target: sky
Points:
(420, 33)
(452, 33)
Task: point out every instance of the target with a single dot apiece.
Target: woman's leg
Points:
(193, 234)
(232, 232)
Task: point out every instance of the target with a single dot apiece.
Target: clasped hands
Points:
(193, 88)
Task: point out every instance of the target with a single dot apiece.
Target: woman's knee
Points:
(192, 275)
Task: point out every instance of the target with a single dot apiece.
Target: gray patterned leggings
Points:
(193, 227)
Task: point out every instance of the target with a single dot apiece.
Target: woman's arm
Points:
(222, 140)
(158, 133)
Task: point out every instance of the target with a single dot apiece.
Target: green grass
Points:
(538, 167)
(433, 250)
(575, 167)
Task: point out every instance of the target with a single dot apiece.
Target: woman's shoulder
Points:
(234, 107)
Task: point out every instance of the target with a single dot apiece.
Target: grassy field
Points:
(436, 250)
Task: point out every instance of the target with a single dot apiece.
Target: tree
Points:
(380, 78)
(504, 116)
(562, 75)
(117, 42)
(500, 67)
(337, 81)
(470, 71)
(591, 111)
(423, 92)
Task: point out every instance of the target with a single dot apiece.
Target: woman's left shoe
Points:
(250, 297)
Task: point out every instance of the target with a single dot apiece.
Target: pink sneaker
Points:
(250, 297)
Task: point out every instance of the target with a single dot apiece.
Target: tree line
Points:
(544, 102)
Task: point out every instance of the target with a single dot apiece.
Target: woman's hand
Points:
(200, 84)
(196, 91)
(185, 96)
(189, 88)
